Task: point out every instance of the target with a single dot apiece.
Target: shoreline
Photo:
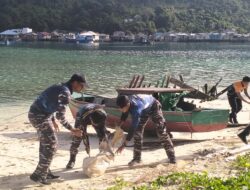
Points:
(19, 153)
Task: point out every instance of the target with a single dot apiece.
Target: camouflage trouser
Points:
(76, 141)
(48, 141)
(158, 119)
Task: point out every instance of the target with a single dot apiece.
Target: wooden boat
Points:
(201, 120)
(187, 119)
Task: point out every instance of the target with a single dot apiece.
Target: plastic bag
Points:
(118, 136)
(97, 165)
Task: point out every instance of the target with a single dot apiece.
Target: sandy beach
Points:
(19, 153)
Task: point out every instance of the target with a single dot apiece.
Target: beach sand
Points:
(19, 153)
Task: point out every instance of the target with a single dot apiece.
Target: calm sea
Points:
(28, 68)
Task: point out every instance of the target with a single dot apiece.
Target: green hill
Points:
(128, 15)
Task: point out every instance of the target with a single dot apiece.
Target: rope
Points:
(15, 116)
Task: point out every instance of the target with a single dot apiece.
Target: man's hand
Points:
(121, 148)
(76, 132)
(56, 127)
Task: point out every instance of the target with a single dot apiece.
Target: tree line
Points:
(107, 16)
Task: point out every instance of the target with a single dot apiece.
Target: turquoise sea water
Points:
(28, 68)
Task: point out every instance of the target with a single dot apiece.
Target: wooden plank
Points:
(196, 94)
(237, 125)
(163, 81)
(136, 81)
(157, 84)
(221, 92)
(167, 82)
(141, 81)
(151, 90)
(131, 82)
(206, 88)
(181, 78)
(213, 90)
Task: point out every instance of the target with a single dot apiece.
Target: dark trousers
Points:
(236, 106)
(156, 115)
(48, 141)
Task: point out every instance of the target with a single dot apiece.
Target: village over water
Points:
(27, 34)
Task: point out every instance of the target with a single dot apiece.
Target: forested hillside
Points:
(128, 15)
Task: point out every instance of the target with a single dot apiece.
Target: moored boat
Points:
(180, 116)
(199, 120)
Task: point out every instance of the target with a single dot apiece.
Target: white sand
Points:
(19, 153)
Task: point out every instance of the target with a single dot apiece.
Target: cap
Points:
(79, 78)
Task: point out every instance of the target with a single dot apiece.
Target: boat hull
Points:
(203, 121)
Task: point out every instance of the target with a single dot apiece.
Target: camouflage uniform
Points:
(82, 121)
(41, 113)
(141, 108)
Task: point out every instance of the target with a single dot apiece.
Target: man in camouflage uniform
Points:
(89, 114)
(41, 115)
(141, 107)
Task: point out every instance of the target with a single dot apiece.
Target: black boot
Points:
(39, 179)
(52, 176)
(243, 135)
(231, 118)
(71, 162)
(234, 118)
(134, 162)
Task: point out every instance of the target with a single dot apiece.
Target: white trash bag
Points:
(97, 165)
